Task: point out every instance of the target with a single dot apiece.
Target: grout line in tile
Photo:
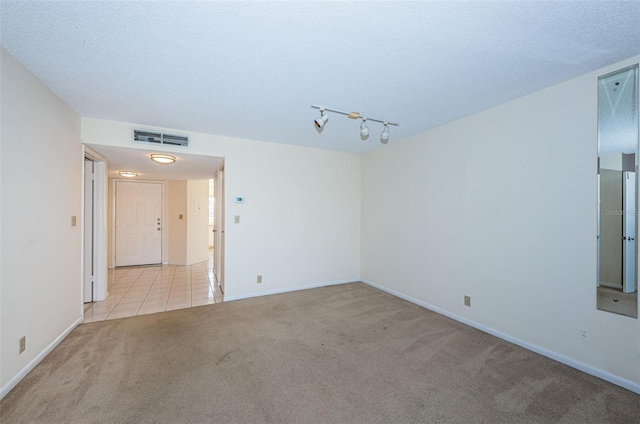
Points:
(173, 281)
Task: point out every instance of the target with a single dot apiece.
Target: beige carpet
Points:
(341, 354)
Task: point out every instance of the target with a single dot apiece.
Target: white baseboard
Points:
(629, 385)
(194, 262)
(31, 365)
(286, 290)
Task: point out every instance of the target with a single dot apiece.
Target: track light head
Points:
(364, 130)
(319, 122)
(384, 137)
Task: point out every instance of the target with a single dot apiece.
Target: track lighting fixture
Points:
(384, 137)
(321, 120)
(364, 130)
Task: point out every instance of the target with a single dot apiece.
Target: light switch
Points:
(236, 219)
(180, 216)
(73, 221)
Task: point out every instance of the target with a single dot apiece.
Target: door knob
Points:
(158, 228)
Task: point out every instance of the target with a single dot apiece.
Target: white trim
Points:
(93, 155)
(619, 381)
(101, 178)
(86, 296)
(99, 226)
(82, 244)
(31, 365)
(287, 290)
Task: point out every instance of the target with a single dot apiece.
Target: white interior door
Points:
(629, 232)
(138, 223)
(88, 232)
(598, 235)
(222, 235)
(216, 242)
(218, 251)
(212, 212)
(99, 227)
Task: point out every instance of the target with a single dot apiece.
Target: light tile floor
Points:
(145, 290)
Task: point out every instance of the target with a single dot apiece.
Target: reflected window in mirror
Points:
(618, 131)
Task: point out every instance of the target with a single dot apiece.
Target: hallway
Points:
(146, 290)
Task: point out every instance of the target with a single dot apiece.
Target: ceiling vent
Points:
(152, 137)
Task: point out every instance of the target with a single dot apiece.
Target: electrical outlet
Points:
(259, 279)
(236, 219)
(467, 301)
(23, 344)
(583, 334)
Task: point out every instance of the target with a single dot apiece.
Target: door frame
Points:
(629, 231)
(99, 226)
(112, 250)
(219, 226)
(87, 225)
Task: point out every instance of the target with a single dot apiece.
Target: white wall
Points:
(502, 206)
(300, 223)
(176, 205)
(41, 190)
(197, 221)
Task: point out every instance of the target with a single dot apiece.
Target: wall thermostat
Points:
(239, 199)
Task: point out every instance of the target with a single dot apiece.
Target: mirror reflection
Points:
(617, 192)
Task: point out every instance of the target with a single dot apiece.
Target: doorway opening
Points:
(89, 250)
(182, 275)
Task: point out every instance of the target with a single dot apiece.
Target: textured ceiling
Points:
(252, 69)
(186, 166)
